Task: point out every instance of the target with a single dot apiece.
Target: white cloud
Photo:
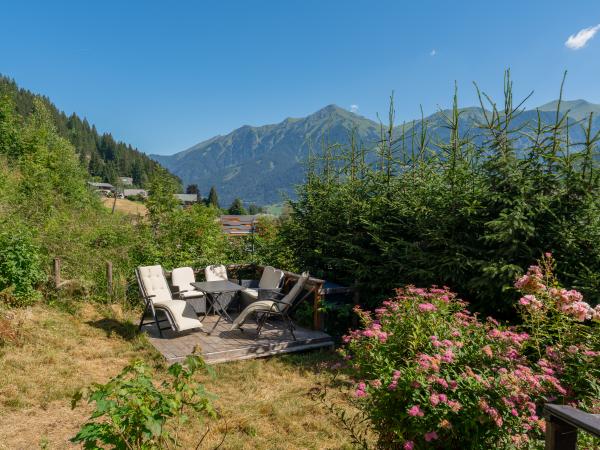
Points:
(432, 52)
(577, 41)
(354, 108)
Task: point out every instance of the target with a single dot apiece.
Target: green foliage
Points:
(467, 211)
(161, 198)
(237, 208)
(102, 156)
(20, 267)
(428, 373)
(213, 198)
(132, 411)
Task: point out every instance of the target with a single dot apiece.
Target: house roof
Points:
(191, 198)
(132, 192)
(101, 185)
(238, 225)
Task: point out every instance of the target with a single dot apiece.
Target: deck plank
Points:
(224, 344)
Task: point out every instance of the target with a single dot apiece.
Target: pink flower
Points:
(415, 411)
(408, 445)
(431, 436)
(427, 307)
(393, 385)
(434, 399)
(360, 393)
(487, 350)
(454, 405)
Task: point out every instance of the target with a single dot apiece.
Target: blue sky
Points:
(166, 75)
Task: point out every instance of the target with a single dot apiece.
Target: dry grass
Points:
(126, 206)
(263, 404)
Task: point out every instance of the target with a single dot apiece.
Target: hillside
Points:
(262, 164)
(259, 164)
(102, 156)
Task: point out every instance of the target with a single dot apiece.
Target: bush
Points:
(445, 203)
(429, 373)
(132, 412)
(20, 268)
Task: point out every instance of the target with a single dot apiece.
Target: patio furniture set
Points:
(184, 306)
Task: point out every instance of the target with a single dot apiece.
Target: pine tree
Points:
(237, 208)
(192, 189)
(213, 199)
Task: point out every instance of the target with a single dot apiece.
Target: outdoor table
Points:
(213, 290)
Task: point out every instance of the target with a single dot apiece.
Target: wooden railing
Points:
(563, 423)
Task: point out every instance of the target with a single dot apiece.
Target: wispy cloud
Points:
(432, 52)
(579, 40)
(354, 108)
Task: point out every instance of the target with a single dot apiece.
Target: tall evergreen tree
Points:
(237, 208)
(213, 198)
(192, 189)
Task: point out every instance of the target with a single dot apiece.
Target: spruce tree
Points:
(192, 189)
(213, 199)
(237, 208)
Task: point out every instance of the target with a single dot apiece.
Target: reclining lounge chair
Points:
(267, 287)
(266, 309)
(156, 293)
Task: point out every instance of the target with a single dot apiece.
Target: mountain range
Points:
(263, 164)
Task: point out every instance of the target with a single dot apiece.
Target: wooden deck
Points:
(224, 345)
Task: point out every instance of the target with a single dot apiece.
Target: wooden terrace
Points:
(223, 344)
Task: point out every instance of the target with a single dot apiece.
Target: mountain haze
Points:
(262, 164)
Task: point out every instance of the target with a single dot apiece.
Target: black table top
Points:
(214, 287)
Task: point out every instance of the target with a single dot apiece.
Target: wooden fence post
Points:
(56, 272)
(316, 306)
(109, 278)
(560, 435)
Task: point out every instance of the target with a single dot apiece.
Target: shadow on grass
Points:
(112, 327)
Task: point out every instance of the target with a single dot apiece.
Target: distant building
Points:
(126, 181)
(187, 199)
(238, 225)
(102, 187)
(135, 193)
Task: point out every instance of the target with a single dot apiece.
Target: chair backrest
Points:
(216, 273)
(271, 278)
(294, 293)
(153, 282)
(182, 278)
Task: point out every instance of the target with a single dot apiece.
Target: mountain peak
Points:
(578, 109)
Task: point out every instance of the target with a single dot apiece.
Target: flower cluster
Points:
(541, 296)
(430, 369)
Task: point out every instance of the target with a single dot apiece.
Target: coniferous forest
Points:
(104, 157)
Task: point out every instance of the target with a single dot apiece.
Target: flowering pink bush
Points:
(431, 374)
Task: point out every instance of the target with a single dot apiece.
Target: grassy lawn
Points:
(46, 354)
(126, 206)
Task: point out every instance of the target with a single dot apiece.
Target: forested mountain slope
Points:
(100, 154)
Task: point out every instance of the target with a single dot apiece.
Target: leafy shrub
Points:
(429, 373)
(20, 267)
(132, 412)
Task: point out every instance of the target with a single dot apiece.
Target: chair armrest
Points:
(270, 294)
(253, 284)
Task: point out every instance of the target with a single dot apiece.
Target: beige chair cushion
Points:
(182, 279)
(215, 273)
(181, 312)
(155, 283)
(271, 278)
